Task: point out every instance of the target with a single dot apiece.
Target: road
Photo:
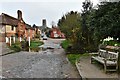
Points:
(49, 63)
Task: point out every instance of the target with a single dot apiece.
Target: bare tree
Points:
(53, 23)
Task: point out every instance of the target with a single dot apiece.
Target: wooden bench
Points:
(107, 58)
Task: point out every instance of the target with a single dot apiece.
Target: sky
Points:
(34, 11)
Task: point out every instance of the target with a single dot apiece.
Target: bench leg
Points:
(105, 66)
(91, 61)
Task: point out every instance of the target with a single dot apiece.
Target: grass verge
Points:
(35, 44)
(75, 57)
(72, 57)
(17, 46)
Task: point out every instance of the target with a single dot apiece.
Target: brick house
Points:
(21, 26)
(56, 33)
(13, 27)
(29, 32)
(8, 26)
(37, 32)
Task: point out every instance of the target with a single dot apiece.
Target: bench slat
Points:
(107, 58)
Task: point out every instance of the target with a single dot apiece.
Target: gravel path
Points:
(51, 63)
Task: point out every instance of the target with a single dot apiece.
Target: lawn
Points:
(75, 57)
(17, 46)
(72, 57)
(35, 44)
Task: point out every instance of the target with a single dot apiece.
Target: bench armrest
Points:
(93, 54)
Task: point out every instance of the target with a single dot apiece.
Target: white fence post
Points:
(29, 40)
(20, 39)
(10, 41)
(14, 39)
(7, 40)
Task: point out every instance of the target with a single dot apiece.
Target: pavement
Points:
(50, 63)
(88, 70)
(4, 49)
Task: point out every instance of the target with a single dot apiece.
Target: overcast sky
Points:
(35, 10)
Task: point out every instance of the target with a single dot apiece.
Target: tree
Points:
(105, 20)
(87, 33)
(53, 24)
(70, 24)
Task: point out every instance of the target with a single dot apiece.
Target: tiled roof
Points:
(6, 19)
(29, 27)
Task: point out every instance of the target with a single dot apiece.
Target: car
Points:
(44, 37)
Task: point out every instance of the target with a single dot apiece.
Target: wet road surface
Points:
(51, 63)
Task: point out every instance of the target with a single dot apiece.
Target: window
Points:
(12, 28)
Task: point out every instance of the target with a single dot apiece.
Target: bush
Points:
(37, 36)
(24, 45)
(15, 47)
(65, 44)
(112, 43)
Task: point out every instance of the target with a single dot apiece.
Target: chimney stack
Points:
(19, 14)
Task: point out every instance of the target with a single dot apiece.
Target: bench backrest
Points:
(112, 55)
(108, 54)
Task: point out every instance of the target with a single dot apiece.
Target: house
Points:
(29, 32)
(21, 26)
(56, 33)
(37, 30)
(8, 28)
(14, 28)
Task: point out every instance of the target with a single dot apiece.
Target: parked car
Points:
(44, 37)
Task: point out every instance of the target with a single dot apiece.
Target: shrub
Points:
(112, 43)
(65, 44)
(15, 47)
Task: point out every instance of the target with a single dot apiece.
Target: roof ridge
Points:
(9, 16)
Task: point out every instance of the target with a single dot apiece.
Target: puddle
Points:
(38, 49)
(43, 48)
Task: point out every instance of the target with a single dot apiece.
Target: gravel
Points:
(51, 63)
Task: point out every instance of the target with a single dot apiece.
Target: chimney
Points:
(19, 14)
(44, 22)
